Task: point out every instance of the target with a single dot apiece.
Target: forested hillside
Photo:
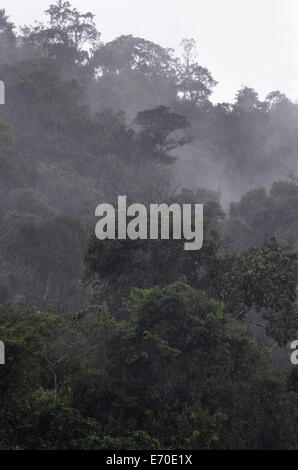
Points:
(122, 344)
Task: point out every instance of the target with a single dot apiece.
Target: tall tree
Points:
(7, 38)
(195, 83)
(69, 35)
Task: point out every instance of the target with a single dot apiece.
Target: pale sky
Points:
(242, 42)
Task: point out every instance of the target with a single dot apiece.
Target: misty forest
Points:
(122, 344)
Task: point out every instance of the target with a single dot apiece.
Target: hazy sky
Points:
(242, 42)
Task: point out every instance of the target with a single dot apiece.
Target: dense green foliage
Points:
(141, 344)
